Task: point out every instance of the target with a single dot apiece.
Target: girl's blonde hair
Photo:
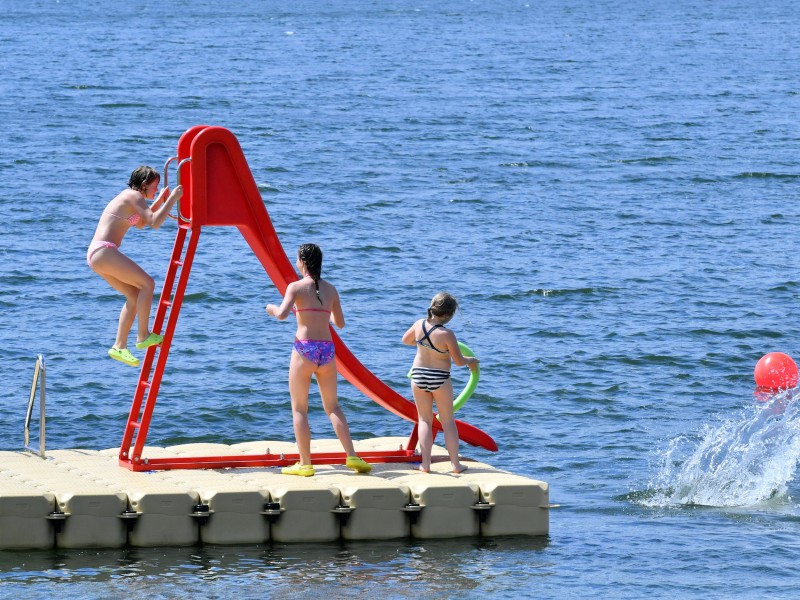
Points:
(443, 305)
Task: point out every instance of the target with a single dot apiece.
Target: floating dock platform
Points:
(145, 496)
(84, 499)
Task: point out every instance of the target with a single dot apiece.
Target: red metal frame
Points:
(219, 189)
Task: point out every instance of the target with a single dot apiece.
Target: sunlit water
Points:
(610, 188)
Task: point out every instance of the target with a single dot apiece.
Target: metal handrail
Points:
(180, 217)
(178, 179)
(38, 371)
(166, 170)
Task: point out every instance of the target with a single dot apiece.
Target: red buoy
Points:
(776, 371)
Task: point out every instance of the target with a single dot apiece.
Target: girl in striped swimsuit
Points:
(430, 377)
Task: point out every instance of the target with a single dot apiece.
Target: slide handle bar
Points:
(178, 182)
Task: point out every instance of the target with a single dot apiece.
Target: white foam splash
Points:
(740, 462)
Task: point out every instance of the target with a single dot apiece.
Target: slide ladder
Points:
(219, 190)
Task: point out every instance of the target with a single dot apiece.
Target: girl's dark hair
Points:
(142, 177)
(311, 255)
(443, 305)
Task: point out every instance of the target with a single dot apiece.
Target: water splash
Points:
(743, 461)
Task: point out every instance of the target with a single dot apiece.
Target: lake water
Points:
(610, 188)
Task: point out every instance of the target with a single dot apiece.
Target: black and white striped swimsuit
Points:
(429, 379)
(423, 377)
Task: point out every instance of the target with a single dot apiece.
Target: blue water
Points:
(610, 188)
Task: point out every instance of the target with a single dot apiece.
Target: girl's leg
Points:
(444, 404)
(326, 380)
(144, 304)
(126, 317)
(128, 312)
(300, 371)
(424, 402)
(111, 264)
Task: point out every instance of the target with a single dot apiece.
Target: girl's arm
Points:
(154, 218)
(455, 352)
(337, 314)
(410, 337)
(162, 195)
(285, 309)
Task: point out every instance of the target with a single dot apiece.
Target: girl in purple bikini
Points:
(129, 209)
(315, 303)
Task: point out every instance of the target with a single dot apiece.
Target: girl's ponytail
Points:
(311, 255)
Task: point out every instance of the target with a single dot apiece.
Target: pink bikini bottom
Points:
(94, 247)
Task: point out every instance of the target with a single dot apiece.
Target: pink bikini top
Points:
(297, 310)
(133, 219)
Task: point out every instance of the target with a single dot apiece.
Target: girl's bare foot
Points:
(459, 468)
(424, 469)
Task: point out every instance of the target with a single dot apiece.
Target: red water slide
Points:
(219, 190)
(223, 192)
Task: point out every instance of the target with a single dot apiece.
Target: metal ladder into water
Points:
(38, 381)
